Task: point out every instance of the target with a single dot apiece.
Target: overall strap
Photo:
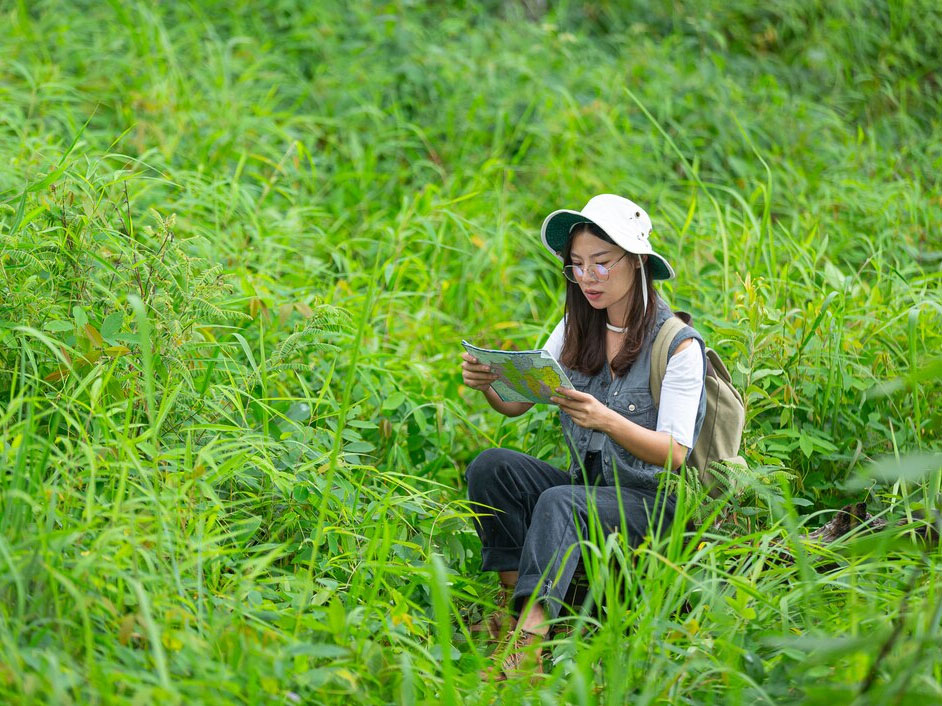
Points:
(659, 350)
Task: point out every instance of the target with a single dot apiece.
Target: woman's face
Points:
(588, 250)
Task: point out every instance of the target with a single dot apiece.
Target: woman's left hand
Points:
(585, 410)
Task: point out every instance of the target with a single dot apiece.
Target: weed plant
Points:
(239, 247)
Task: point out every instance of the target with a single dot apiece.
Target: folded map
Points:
(523, 376)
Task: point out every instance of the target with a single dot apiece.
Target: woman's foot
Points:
(522, 655)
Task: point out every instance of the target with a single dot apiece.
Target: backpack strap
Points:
(659, 350)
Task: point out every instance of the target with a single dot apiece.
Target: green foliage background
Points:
(240, 243)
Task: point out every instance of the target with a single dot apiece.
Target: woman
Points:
(532, 514)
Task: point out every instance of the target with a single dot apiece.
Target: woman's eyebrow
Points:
(595, 254)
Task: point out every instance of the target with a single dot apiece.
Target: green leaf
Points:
(393, 401)
(419, 416)
(58, 326)
(112, 324)
(359, 447)
(245, 529)
(336, 616)
(78, 313)
(436, 652)
(807, 445)
(299, 411)
(765, 372)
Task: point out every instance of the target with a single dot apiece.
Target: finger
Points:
(479, 368)
(568, 408)
(470, 358)
(478, 377)
(569, 392)
(570, 400)
(480, 372)
(579, 400)
(562, 406)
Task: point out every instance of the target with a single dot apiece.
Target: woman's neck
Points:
(618, 314)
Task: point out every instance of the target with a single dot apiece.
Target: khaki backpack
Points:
(721, 433)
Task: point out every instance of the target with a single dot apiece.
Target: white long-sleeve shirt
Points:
(680, 390)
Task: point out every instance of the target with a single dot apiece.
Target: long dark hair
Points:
(584, 345)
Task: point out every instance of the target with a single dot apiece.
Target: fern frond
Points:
(212, 312)
(18, 256)
(207, 278)
(296, 366)
(162, 276)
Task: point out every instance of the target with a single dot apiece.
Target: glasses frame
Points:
(601, 272)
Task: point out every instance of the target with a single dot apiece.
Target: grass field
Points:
(240, 244)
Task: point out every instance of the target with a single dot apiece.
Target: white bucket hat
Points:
(623, 221)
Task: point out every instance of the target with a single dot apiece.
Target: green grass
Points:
(239, 247)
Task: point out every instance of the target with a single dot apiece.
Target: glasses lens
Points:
(601, 272)
(569, 272)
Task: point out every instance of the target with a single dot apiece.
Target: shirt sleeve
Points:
(554, 344)
(680, 394)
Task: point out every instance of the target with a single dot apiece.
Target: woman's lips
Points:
(592, 294)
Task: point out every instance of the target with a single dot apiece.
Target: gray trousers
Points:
(532, 519)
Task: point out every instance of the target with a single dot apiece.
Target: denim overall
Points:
(630, 396)
(532, 514)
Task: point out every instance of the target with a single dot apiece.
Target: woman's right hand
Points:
(475, 374)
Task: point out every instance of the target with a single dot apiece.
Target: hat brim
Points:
(555, 235)
(556, 227)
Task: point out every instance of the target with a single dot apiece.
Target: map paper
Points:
(523, 376)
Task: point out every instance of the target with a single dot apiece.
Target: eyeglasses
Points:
(574, 273)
